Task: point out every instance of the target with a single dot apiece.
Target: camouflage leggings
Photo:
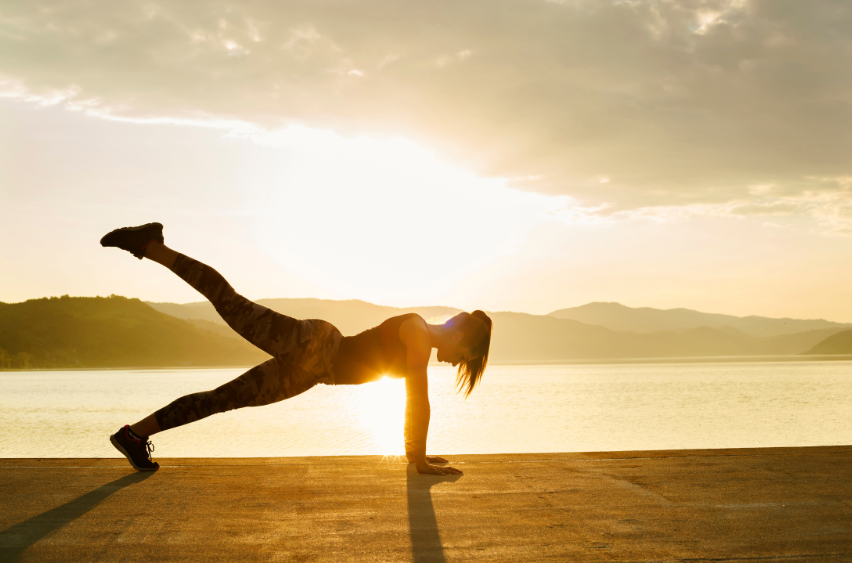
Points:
(302, 352)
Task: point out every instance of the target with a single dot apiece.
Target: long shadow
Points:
(15, 540)
(422, 524)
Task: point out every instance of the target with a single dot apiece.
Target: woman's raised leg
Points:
(276, 334)
(161, 254)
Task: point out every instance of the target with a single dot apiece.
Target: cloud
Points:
(781, 208)
(675, 103)
(827, 212)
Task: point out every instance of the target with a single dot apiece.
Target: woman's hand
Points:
(430, 469)
(435, 459)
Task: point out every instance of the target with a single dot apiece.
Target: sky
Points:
(524, 155)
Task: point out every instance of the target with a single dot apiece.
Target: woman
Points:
(305, 353)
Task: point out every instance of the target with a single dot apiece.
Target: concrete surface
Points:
(757, 504)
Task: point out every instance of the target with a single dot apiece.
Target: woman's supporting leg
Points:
(267, 383)
(148, 426)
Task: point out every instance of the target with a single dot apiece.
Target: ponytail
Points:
(476, 328)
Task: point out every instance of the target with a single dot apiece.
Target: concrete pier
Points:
(753, 504)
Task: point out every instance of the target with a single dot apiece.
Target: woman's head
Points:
(471, 337)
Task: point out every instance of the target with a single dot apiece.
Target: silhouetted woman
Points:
(305, 353)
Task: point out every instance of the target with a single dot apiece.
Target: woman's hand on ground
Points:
(435, 459)
(430, 469)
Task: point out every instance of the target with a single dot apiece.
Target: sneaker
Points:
(134, 239)
(137, 452)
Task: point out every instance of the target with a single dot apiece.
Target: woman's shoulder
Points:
(413, 316)
(412, 328)
(411, 319)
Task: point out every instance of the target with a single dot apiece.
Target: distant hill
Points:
(519, 338)
(109, 332)
(840, 343)
(646, 320)
(350, 316)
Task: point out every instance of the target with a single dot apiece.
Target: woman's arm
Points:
(417, 411)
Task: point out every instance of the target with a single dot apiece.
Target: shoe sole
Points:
(121, 449)
(139, 228)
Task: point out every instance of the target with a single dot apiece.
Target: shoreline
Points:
(568, 362)
(119, 461)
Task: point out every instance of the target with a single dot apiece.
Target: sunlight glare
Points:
(381, 407)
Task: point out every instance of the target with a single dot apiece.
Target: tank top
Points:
(372, 354)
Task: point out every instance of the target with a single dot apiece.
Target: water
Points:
(518, 409)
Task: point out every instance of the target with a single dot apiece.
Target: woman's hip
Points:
(316, 349)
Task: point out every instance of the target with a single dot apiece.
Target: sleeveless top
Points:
(371, 354)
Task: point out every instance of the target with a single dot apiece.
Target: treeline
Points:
(21, 360)
(109, 332)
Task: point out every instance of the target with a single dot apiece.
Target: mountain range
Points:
(114, 332)
(593, 331)
(646, 320)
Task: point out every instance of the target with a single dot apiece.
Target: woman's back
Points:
(372, 354)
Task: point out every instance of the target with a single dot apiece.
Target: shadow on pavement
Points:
(15, 540)
(422, 524)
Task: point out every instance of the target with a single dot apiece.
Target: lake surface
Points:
(517, 409)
